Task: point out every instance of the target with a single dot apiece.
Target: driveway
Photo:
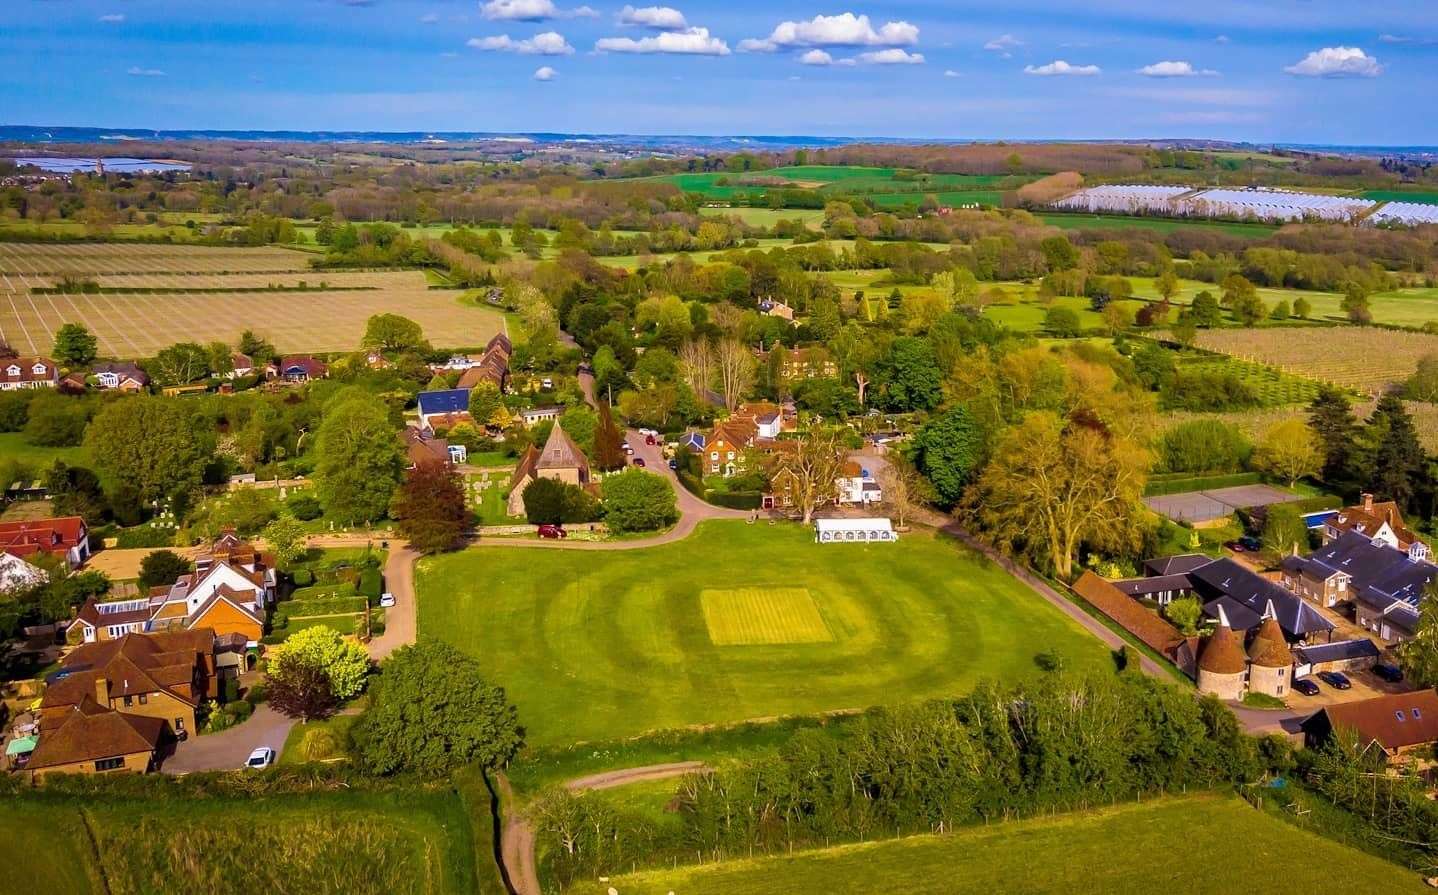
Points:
(400, 625)
(228, 749)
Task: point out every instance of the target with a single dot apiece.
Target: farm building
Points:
(832, 531)
(1340, 655)
(1386, 585)
(1399, 724)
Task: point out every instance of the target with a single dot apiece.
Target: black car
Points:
(1250, 543)
(1305, 686)
(1390, 673)
(1335, 679)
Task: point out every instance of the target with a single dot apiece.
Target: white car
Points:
(260, 759)
(386, 600)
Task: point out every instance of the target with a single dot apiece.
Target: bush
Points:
(1161, 485)
(256, 694)
(229, 690)
(304, 507)
(736, 500)
(1204, 446)
(302, 577)
(371, 583)
(1208, 390)
(635, 500)
(145, 536)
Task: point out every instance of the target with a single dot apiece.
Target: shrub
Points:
(736, 500)
(304, 506)
(1204, 446)
(145, 536)
(302, 577)
(371, 583)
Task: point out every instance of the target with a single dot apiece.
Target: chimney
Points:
(1367, 502)
(102, 690)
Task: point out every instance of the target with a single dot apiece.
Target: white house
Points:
(830, 531)
(16, 574)
(857, 488)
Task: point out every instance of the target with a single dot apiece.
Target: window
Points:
(129, 700)
(1280, 689)
(1417, 715)
(110, 764)
(1399, 715)
(144, 698)
(179, 724)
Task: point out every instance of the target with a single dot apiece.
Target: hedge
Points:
(145, 536)
(333, 606)
(736, 500)
(1318, 504)
(302, 577)
(371, 583)
(1159, 486)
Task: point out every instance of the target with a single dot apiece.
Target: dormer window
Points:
(12, 370)
(38, 369)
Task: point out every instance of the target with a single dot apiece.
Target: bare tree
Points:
(862, 380)
(696, 359)
(903, 486)
(816, 467)
(736, 371)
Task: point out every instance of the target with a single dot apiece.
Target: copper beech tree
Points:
(429, 507)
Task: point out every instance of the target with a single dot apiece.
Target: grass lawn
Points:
(1131, 848)
(13, 446)
(491, 505)
(46, 844)
(767, 217)
(600, 645)
(317, 740)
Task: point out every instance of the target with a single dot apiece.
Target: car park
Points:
(1335, 679)
(260, 759)
(1387, 672)
(1306, 686)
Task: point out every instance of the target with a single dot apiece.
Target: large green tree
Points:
(948, 449)
(432, 711)
(912, 376)
(74, 345)
(1419, 656)
(635, 500)
(391, 332)
(360, 460)
(1332, 420)
(345, 662)
(154, 446)
(1397, 467)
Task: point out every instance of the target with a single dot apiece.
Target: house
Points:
(533, 416)
(17, 575)
(778, 309)
(111, 704)
(1377, 520)
(1384, 583)
(62, 536)
(1229, 591)
(300, 368)
(423, 447)
(694, 441)
(832, 531)
(443, 409)
(561, 459)
(125, 377)
(492, 366)
(1399, 724)
(28, 372)
(240, 365)
(808, 363)
(228, 593)
(857, 488)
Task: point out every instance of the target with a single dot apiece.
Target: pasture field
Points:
(138, 325)
(884, 184)
(766, 217)
(1360, 358)
(1162, 225)
(951, 198)
(1113, 851)
(401, 842)
(597, 645)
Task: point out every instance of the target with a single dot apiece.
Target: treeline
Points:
(1060, 744)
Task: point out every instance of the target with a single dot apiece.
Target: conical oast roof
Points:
(1269, 648)
(1222, 653)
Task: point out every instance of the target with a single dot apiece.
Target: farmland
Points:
(886, 187)
(1162, 225)
(1360, 358)
(190, 302)
(598, 645)
(1402, 196)
(1273, 387)
(1254, 423)
(1108, 851)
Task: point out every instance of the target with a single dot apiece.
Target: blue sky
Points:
(1319, 71)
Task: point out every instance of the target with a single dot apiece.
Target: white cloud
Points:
(138, 72)
(660, 18)
(1004, 43)
(844, 30)
(1337, 62)
(950, 73)
(430, 18)
(1061, 68)
(1175, 70)
(549, 43)
(545, 73)
(689, 42)
(113, 19)
(583, 12)
(816, 57)
(1222, 39)
(892, 56)
(519, 10)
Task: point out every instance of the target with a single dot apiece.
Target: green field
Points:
(352, 842)
(597, 645)
(767, 217)
(1427, 197)
(1163, 225)
(1204, 845)
(887, 187)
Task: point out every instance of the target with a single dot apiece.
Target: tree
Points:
(1302, 307)
(74, 346)
(1167, 284)
(1397, 461)
(1052, 487)
(1062, 323)
(1284, 530)
(1288, 451)
(1248, 308)
(344, 662)
(484, 400)
(433, 711)
(430, 508)
(696, 365)
(1423, 384)
(1185, 613)
(286, 539)
(814, 468)
(1355, 303)
(1204, 446)
(903, 486)
(1117, 317)
(635, 500)
(1184, 330)
(56, 420)
(736, 367)
(181, 364)
(1419, 656)
(359, 460)
(912, 376)
(391, 332)
(300, 690)
(75, 491)
(1205, 311)
(162, 567)
(1336, 428)
(948, 449)
(155, 447)
(552, 502)
(608, 441)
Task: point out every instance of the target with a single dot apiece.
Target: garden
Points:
(337, 588)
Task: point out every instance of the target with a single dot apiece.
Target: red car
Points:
(638, 461)
(649, 439)
(552, 532)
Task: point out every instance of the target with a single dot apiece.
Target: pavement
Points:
(228, 749)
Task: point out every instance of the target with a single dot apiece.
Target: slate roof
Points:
(1226, 578)
(1143, 587)
(1337, 651)
(1381, 575)
(1176, 565)
(453, 400)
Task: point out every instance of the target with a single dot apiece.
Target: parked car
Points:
(552, 532)
(627, 448)
(1250, 543)
(260, 759)
(1305, 686)
(1390, 673)
(674, 465)
(1335, 679)
(638, 461)
(386, 600)
(649, 439)
(1235, 546)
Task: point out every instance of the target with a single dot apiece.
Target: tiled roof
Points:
(1144, 624)
(1222, 652)
(22, 369)
(55, 535)
(560, 451)
(1394, 722)
(91, 732)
